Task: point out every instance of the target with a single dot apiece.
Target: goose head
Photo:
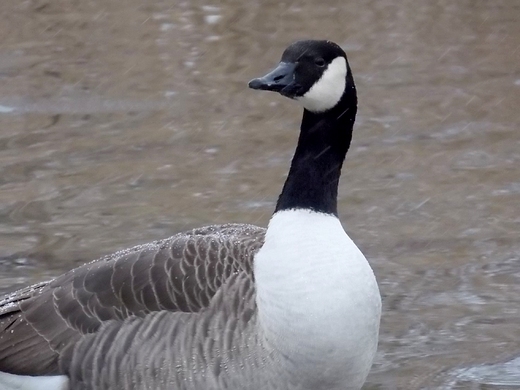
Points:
(314, 73)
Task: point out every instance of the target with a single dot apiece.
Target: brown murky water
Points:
(125, 123)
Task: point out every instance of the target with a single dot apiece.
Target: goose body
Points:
(234, 307)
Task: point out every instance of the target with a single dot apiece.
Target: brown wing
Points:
(167, 350)
(179, 274)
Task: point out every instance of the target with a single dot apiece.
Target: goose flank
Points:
(295, 306)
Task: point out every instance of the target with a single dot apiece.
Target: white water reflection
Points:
(505, 375)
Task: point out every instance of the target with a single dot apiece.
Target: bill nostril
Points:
(278, 78)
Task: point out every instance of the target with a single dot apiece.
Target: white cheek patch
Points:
(327, 91)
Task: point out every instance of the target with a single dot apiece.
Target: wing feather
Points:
(178, 274)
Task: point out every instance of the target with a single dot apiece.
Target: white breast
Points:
(317, 296)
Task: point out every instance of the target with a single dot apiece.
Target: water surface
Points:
(124, 124)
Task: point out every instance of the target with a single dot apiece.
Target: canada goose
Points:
(238, 307)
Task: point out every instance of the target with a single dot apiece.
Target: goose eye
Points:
(320, 62)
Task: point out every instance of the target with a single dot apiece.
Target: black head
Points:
(316, 73)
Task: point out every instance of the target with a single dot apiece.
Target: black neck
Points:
(316, 166)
